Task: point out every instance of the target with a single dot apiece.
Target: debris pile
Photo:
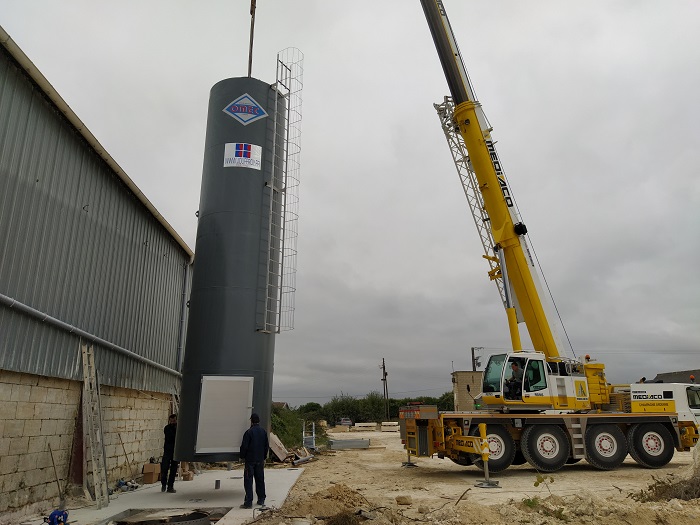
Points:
(336, 499)
(670, 488)
(296, 457)
(685, 486)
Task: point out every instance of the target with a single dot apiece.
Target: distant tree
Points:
(394, 405)
(446, 401)
(311, 412)
(309, 407)
(341, 406)
(286, 425)
(371, 408)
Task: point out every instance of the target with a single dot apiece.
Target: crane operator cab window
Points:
(535, 376)
(513, 378)
(693, 393)
(493, 374)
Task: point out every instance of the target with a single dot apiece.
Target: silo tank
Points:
(229, 352)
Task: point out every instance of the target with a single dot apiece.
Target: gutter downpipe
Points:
(41, 316)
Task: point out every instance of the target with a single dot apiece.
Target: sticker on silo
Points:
(245, 110)
(241, 155)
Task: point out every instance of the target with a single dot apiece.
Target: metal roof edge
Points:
(64, 108)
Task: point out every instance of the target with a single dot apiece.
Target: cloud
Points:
(595, 114)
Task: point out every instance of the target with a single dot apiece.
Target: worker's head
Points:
(255, 419)
(172, 419)
(514, 365)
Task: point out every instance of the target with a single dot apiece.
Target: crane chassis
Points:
(650, 422)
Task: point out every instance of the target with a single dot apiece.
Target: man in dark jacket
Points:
(168, 466)
(254, 452)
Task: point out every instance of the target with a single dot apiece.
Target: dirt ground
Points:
(336, 486)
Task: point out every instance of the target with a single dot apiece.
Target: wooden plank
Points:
(278, 449)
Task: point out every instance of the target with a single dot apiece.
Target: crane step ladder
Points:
(92, 427)
(575, 429)
(561, 391)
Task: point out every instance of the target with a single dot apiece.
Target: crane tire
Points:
(606, 446)
(501, 448)
(650, 444)
(546, 447)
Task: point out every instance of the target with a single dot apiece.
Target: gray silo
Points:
(242, 264)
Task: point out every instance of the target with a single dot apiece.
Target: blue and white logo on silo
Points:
(242, 155)
(245, 110)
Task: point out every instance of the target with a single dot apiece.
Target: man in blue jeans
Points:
(254, 452)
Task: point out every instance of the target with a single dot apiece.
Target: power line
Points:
(443, 390)
(424, 390)
(601, 351)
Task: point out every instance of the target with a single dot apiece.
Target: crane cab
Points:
(527, 381)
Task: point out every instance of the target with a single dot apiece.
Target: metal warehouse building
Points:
(84, 258)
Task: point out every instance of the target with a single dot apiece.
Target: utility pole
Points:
(252, 29)
(386, 389)
(476, 360)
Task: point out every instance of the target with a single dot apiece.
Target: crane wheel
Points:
(545, 447)
(606, 446)
(501, 448)
(650, 444)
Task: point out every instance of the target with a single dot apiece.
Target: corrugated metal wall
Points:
(76, 244)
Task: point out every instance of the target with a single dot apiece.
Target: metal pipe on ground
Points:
(61, 497)
(131, 468)
(302, 460)
(341, 444)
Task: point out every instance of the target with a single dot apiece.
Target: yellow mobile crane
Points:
(553, 382)
(539, 406)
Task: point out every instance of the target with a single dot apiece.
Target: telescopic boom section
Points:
(506, 227)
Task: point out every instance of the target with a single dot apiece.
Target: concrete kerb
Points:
(364, 427)
(191, 495)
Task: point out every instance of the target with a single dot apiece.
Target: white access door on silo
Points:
(224, 413)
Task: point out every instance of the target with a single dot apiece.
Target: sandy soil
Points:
(336, 485)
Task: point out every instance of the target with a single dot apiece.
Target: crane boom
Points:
(517, 268)
(550, 409)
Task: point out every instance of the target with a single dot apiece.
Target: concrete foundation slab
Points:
(200, 493)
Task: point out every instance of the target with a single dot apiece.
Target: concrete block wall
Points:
(37, 416)
(463, 398)
(39, 412)
(135, 419)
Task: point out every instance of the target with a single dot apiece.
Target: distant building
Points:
(676, 377)
(280, 404)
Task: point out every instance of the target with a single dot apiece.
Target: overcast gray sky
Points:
(595, 108)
